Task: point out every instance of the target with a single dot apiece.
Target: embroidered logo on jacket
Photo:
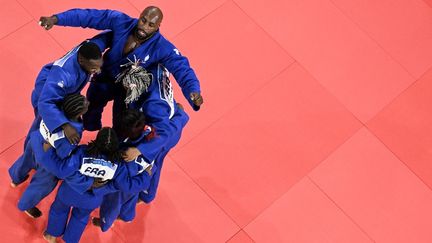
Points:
(146, 58)
(61, 84)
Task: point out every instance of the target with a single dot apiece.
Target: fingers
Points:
(199, 101)
(128, 157)
(196, 98)
(75, 139)
(45, 22)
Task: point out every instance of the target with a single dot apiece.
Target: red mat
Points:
(315, 126)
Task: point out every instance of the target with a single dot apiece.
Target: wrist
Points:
(54, 19)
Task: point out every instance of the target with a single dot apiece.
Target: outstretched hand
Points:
(48, 22)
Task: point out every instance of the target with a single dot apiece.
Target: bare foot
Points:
(49, 238)
(13, 184)
(96, 221)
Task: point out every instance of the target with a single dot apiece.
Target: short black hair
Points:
(90, 50)
(73, 105)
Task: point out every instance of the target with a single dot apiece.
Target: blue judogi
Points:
(122, 204)
(75, 191)
(56, 80)
(43, 182)
(156, 50)
(150, 194)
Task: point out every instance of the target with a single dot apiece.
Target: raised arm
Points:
(179, 66)
(86, 18)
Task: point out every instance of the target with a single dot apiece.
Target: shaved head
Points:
(154, 13)
(148, 22)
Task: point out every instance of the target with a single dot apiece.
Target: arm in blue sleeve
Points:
(179, 120)
(53, 92)
(151, 148)
(124, 182)
(166, 130)
(106, 189)
(79, 182)
(150, 193)
(157, 113)
(61, 168)
(64, 148)
(91, 18)
(134, 184)
(103, 40)
(185, 76)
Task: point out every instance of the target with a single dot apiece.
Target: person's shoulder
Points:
(163, 42)
(61, 75)
(122, 20)
(117, 13)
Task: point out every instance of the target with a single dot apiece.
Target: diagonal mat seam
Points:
(370, 37)
(305, 176)
(199, 20)
(398, 158)
(340, 208)
(205, 192)
(264, 30)
(234, 107)
(17, 29)
(13, 144)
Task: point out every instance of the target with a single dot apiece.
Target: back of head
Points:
(106, 145)
(135, 79)
(90, 51)
(127, 122)
(74, 105)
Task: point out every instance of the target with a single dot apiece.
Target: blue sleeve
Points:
(178, 65)
(151, 148)
(103, 40)
(64, 148)
(165, 129)
(61, 168)
(53, 92)
(179, 120)
(79, 182)
(134, 184)
(125, 183)
(150, 193)
(92, 18)
(106, 189)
